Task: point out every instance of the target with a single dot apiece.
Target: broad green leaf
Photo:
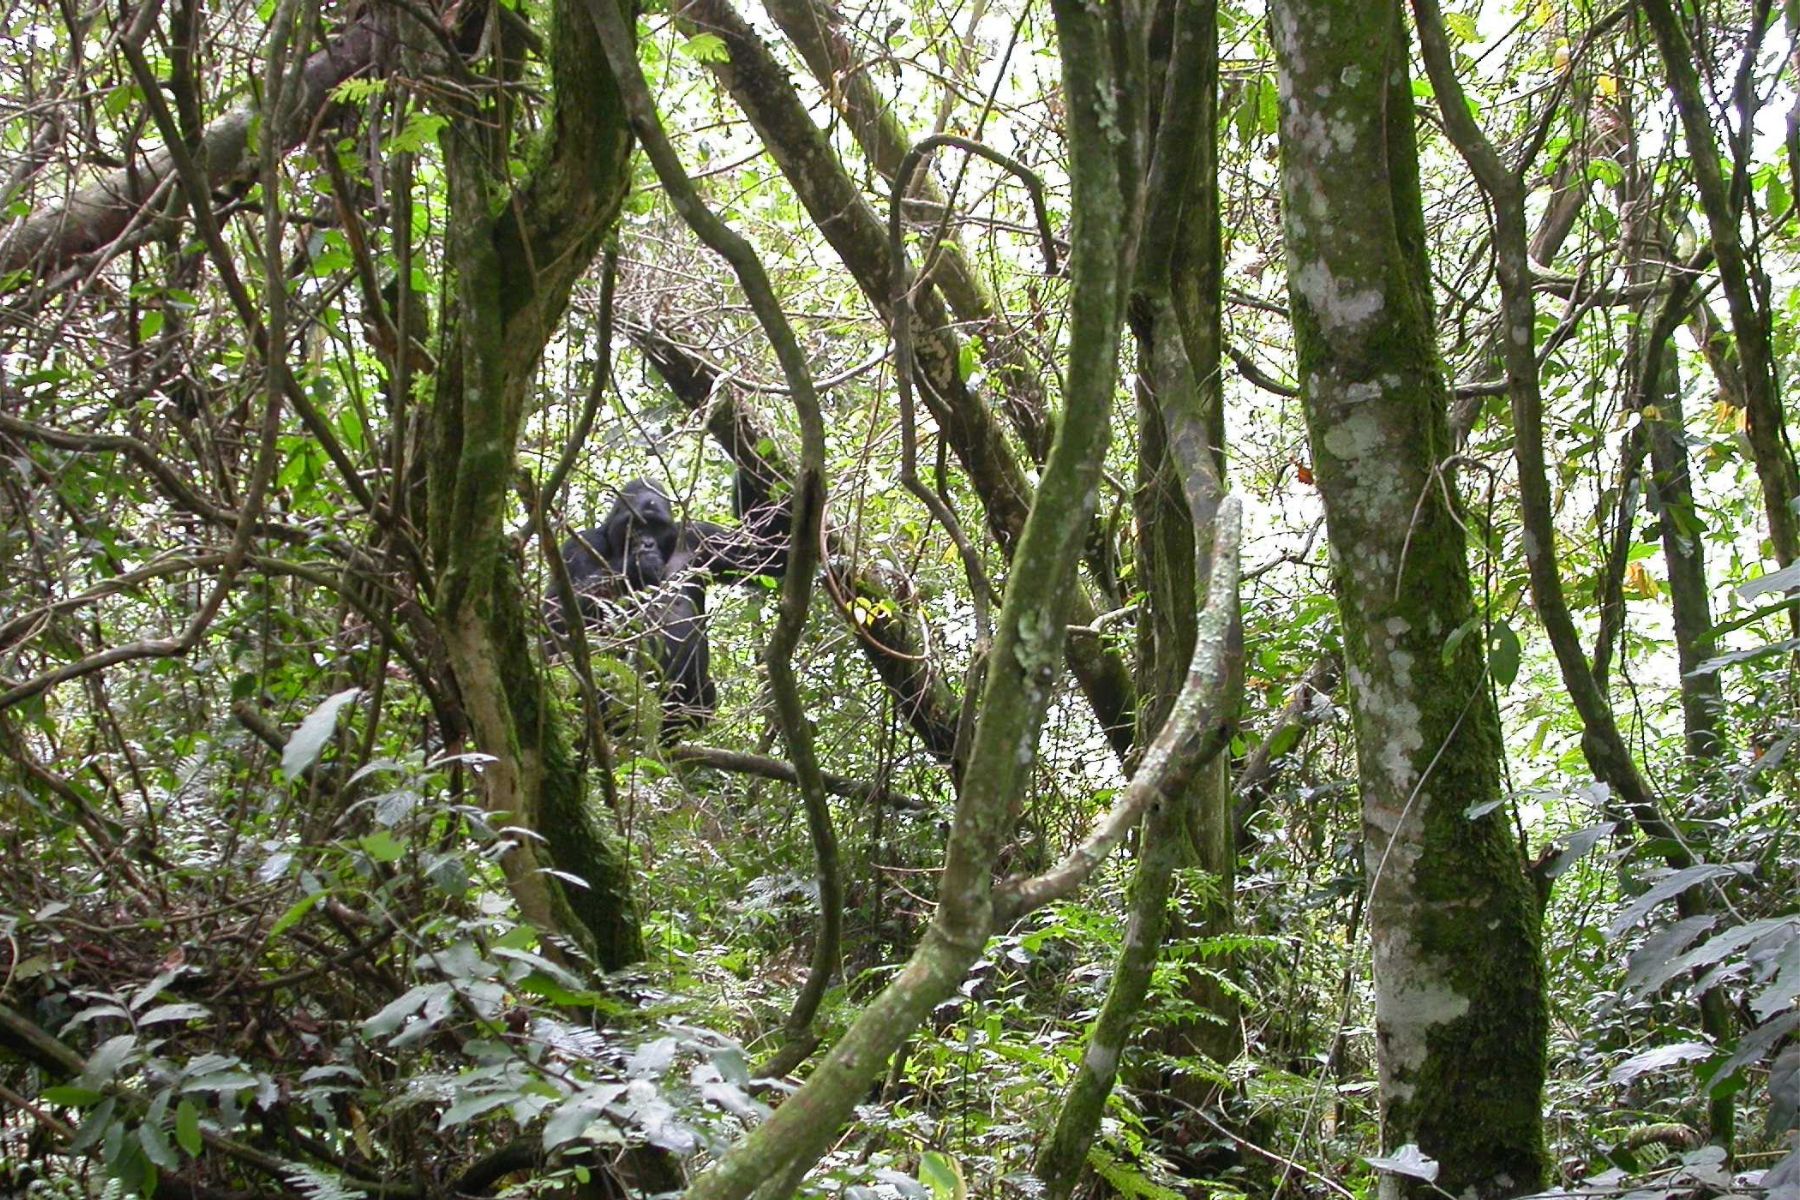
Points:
(382, 846)
(1503, 654)
(943, 1176)
(187, 1127)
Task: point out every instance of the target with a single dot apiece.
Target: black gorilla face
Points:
(641, 535)
(640, 547)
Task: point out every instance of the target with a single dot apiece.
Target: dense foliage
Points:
(330, 871)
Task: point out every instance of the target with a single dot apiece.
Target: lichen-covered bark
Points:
(1175, 316)
(1460, 1006)
(516, 254)
(1194, 284)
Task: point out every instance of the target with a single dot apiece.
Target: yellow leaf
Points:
(1640, 584)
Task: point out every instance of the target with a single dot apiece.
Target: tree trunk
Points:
(516, 254)
(1459, 997)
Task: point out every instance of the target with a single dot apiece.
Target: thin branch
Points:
(1194, 734)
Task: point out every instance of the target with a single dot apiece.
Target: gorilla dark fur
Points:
(641, 547)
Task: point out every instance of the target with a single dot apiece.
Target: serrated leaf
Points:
(420, 130)
(304, 747)
(1786, 986)
(1753, 1046)
(1656, 961)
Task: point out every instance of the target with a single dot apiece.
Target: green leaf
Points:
(706, 48)
(1284, 740)
(70, 1095)
(356, 91)
(1503, 654)
(578, 1112)
(943, 1175)
(187, 1128)
(299, 909)
(1456, 639)
(382, 846)
(468, 1107)
(156, 1146)
(421, 130)
(174, 1012)
(103, 1065)
(95, 1127)
(151, 324)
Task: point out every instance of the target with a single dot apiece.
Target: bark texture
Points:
(1460, 1006)
(516, 254)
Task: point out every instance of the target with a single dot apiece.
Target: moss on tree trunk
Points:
(516, 253)
(1460, 1007)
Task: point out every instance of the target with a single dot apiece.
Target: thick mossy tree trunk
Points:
(516, 250)
(1459, 991)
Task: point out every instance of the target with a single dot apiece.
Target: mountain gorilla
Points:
(640, 547)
